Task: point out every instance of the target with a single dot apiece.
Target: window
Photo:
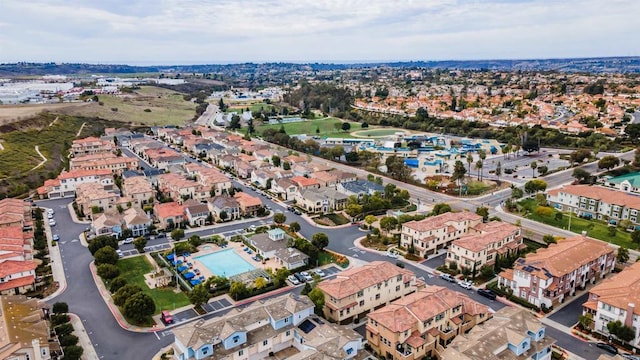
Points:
(361, 302)
(240, 353)
(288, 333)
(265, 342)
(236, 339)
(286, 320)
(205, 351)
(377, 296)
(398, 288)
(360, 293)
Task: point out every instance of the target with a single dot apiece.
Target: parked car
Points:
(319, 272)
(119, 252)
(55, 237)
(128, 240)
(487, 293)
(50, 211)
(52, 222)
(306, 276)
(448, 277)
(606, 347)
(166, 317)
(297, 212)
(49, 216)
(392, 254)
(299, 277)
(465, 284)
(293, 280)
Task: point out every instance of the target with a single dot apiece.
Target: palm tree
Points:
(469, 161)
(506, 150)
(483, 155)
(533, 165)
(498, 171)
(479, 167)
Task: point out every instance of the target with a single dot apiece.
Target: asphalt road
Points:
(568, 315)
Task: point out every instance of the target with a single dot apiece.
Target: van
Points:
(447, 277)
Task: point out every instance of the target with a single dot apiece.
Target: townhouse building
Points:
(304, 183)
(162, 158)
(196, 213)
(91, 145)
(24, 329)
(597, 202)
(548, 276)
(434, 233)
(224, 208)
(356, 291)
(359, 188)
(283, 327)
(106, 161)
(423, 323)
(66, 183)
(169, 215)
(284, 188)
(249, 205)
(138, 191)
(17, 267)
(93, 198)
(320, 200)
(483, 244)
(179, 188)
(214, 180)
(512, 333)
(615, 299)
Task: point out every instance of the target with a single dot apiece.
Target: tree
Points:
(235, 122)
(623, 255)
(558, 216)
(275, 160)
(621, 331)
(177, 234)
(585, 321)
(550, 239)
(484, 212)
(60, 308)
(116, 284)
(388, 223)
(139, 306)
(346, 126)
(317, 297)
(108, 271)
(534, 186)
(68, 340)
(101, 241)
(320, 240)
(124, 293)
(469, 161)
(294, 226)
(635, 236)
(64, 329)
(578, 156)
(223, 215)
(516, 192)
(534, 165)
(354, 210)
(237, 290)
(106, 255)
(140, 243)
(440, 208)
(397, 169)
(487, 271)
(608, 162)
(199, 295)
(479, 168)
(195, 241)
(611, 230)
(498, 170)
(458, 171)
(370, 219)
(279, 218)
(543, 170)
(632, 131)
(260, 282)
(581, 175)
(73, 352)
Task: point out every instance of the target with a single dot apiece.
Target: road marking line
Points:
(156, 334)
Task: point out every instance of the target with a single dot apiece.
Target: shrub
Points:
(64, 329)
(108, 271)
(57, 319)
(68, 340)
(117, 283)
(72, 352)
(60, 308)
(544, 211)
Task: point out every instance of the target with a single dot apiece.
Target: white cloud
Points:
(199, 31)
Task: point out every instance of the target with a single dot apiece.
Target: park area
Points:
(330, 127)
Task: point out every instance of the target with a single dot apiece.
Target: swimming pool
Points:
(225, 263)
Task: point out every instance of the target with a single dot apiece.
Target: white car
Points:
(465, 284)
(50, 211)
(392, 254)
(128, 240)
(49, 216)
(52, 222)
(306, 276)
(119, 252)
(319, 272)
(293, 280)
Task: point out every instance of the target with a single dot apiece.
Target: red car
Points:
(166, 317)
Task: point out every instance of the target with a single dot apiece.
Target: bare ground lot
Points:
(12, 113)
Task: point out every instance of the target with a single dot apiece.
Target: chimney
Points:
(628, 321)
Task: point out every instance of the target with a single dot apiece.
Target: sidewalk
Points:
(57, 268)
(83, 338)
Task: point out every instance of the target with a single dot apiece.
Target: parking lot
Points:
(216, 305)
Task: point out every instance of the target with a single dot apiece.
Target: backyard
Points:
(134, 268)
(594, 228)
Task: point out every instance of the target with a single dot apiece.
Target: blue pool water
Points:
(225, 263)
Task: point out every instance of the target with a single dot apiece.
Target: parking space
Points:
(331, 270)
(157, 247)
(183, 316)
(435, 261)
(216, 305)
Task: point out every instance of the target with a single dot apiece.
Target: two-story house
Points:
(548, 276)
(224, 208)
(355, 292)
(321, 200)
(512, 333)
(429, 235)
(419, 325)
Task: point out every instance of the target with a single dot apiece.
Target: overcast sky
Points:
(228, 31)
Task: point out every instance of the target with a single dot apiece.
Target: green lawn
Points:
(594, 228)
(255, 107)
(325, 126)
(134, 268)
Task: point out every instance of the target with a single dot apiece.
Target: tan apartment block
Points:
(437, 232)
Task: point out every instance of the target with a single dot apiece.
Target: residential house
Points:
(24, 330)
(170, 215)
(284, 188)
(224, 208)
(268, 243)
(249, 205)
(355, 292)
(66, 183)
(343, 176)
(108, 224)
(283, 326)
(429, 235)
(512, 333)
(162, 158)
(17, 274)
(93, 198)
(325, 178)
(196, 212)
(321, 200)
(597, 202)
(291, 258)
(91, 145)
(177, 187)
(419, 325)
(483, 244)
(244, 169)
(548, 276)
(15, 212)
(629, 183)
(304, 183)
(214, 180)
(114, 223)
(263, 178)
(137, 221)
(138, 191)
(615, 299)
(360, 188)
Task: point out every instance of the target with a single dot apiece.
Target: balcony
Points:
(404, 351)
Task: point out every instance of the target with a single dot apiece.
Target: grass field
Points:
(12, 113)
(252, 107)
(134, 268)
(326, 127)
(166, 107)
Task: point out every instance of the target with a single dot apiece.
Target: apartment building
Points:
(615, 299)
(91, 145)
(66, 183)
(355, 292)
(597, 202)
(179, 188)
(512, 333)
(92, 196)
(548, 276)
(282, 327)
(24, 330)
(138, 191)
(437, 232)
(105, 161)
(629, 183)
(423, 323)
(484, 243)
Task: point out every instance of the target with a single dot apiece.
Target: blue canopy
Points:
(195, 282)
(189, 275)
(182, 268)
(170, 257)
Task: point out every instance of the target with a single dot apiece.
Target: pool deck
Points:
(237, 247)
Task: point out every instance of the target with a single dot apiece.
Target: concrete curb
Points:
(83, 338)
(57, 268)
